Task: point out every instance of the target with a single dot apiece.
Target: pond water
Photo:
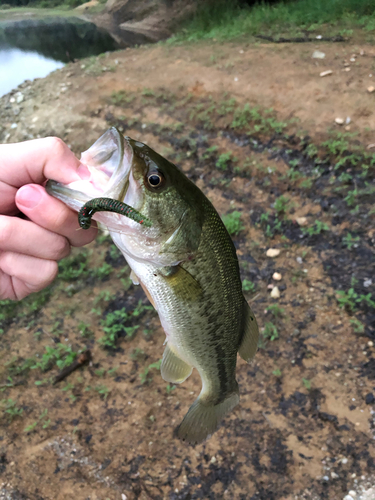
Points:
(33, 48)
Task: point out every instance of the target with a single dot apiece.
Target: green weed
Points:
(248, 286)
(276, 310)
(85, 330)
(225, 160)
(102, 390)
(137, 354)
(306, 383)
(62, 355)
(270, 331)
(41, 420)
(233, 223)
(281, 205)
(317, 228)
(74, 267)
(351, 299)
(114, 325)
(277, 373)
(357, 325)
(144, 376)
(350, 241)
(9, 407)
(121, 97)
(103, 271)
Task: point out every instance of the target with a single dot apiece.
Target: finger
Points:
(7, 203)
(52, 214)
(26, 237)
(40, 159)
(27, 274)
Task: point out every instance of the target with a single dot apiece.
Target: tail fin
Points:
(203, 419)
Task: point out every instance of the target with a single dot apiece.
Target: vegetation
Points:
(226, 19)
(233, 223)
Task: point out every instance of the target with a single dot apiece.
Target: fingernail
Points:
(83, 172)
(29, 196)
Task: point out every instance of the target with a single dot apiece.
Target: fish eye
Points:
(155, 180)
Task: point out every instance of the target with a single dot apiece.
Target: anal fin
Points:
(173, 369)
(249, 344)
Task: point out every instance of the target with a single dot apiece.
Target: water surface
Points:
(33, 48)
(17, 65)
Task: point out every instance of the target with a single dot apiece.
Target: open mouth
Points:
(109, 161)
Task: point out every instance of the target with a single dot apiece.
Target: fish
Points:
(186, 263)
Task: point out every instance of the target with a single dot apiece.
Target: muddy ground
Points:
(305, 426)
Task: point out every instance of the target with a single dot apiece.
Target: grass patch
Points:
(233, 223)
(227, 19)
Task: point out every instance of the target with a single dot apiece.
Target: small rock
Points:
(347, 120)
(273, 252)
(371, 146)
(299, 260)
(361, 52)
(334, 475)
(276, 276)
(275, 293)
(19, 98)
(370, 343)
(371, 89)
(325, 478)
(235, 79)
(348, 497)
(352, 59)
(346, 69)
(317, 54)
(241, 51)
(370, 399)
(339, 121)
(347, 128)
(369, 494)
(326, 73)
(344, 460)
(352, 493)
(301, 221)
(14, 125)
(319, 37)
(367, 282)
(123, 497)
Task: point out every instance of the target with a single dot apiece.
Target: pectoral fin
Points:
(249, 344)
(173, 369)
(181, 282)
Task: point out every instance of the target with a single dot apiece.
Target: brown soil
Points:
(303, 429)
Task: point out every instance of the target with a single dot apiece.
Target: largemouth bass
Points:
(186, 263)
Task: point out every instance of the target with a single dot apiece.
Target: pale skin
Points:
(31, 246)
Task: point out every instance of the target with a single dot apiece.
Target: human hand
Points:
(30, 249)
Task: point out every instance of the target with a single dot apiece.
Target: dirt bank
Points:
(305, 426)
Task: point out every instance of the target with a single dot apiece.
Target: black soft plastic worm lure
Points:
(109, 205)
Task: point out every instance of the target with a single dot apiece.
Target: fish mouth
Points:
(109, 162)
